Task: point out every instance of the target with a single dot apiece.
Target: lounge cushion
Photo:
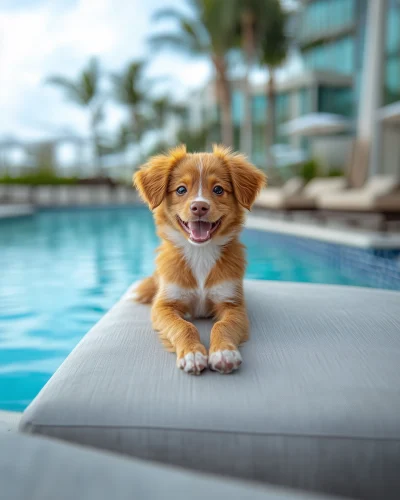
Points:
(315, 405)
(275, 197)
(41, 469)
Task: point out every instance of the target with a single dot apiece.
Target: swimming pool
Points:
(62, 270)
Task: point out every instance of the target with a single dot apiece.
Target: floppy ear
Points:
(247, 180)
(152, 179)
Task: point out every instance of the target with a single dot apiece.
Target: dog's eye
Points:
(181, 190)
(218, 190)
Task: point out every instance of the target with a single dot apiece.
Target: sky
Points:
(39, 38)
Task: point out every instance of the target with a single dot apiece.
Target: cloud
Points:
(41, 39)
(31, 4)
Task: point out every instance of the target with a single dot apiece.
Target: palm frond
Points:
(167, 13)
(128, 86)
(178, 42)
(274, 40)
(72, 90)
(190, 32)
(90, 80)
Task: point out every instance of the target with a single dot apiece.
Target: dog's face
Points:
(199, 196)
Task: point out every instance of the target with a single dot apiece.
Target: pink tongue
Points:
(199, 230)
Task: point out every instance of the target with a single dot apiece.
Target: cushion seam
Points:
(211, 431)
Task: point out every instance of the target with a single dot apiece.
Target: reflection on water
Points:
(62, 270)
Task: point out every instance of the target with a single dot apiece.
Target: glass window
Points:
(259, 104)
(337, 100)
(392, 77)
(322, 16)
(336, 56)
(282, 115)
(305, 101)
(237, 107)
(393, 27)
(259, 144)
(336, 13)
(392, 63)
(282, 107)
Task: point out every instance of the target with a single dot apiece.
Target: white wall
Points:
(332, 152)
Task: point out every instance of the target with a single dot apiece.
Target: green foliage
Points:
(85, 89)
(39, 179)
(195, 141)
(336, 172)
(209, 31)
(259, 13)
(159, 148)
(163, 107)
(128, 86)
(310, 169)
(274, 40)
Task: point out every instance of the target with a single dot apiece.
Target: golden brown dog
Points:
(199, 201)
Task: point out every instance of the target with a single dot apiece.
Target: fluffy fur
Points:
(196, 278)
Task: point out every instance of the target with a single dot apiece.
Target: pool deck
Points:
(11, 211)
(9, 421)
(342, 236)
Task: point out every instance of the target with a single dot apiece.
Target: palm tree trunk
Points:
(224, 98)
(96, 143)
(246, 132)
(135, 123)
(271, 119)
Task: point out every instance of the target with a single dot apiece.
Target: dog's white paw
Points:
(225, 361)
(193, 363)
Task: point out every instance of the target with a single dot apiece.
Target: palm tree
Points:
(210, 32)
(129, 91)
(85, 92)
(251, 17)
(164, 108)
(274, 45)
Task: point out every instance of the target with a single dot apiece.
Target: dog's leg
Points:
(180, 336)
(146, 290)
(231, 329)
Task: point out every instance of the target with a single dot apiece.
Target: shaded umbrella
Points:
(316, 124)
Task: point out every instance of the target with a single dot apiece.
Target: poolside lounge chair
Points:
(314, 407)
(275, 197)
(307, 199)
(45, 469)
(294, 196)
(380, 195)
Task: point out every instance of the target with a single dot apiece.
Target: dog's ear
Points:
(152, 179)
(247, 179)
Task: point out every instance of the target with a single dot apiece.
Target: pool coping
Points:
(9, 420)
(16, 210)
(349, 237)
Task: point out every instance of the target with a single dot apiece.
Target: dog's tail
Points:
(146, 290)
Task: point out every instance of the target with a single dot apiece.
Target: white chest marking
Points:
(196, 298)
(201, 260)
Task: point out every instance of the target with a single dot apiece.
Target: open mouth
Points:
(200, 231)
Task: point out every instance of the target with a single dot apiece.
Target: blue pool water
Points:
(62, 270)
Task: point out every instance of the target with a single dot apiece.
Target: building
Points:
(348, 55)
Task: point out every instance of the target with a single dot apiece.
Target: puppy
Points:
(199, 202)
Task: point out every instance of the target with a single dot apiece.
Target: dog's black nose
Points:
(199, 208)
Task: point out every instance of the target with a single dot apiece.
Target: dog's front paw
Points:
(225, 361)
(193, 362)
